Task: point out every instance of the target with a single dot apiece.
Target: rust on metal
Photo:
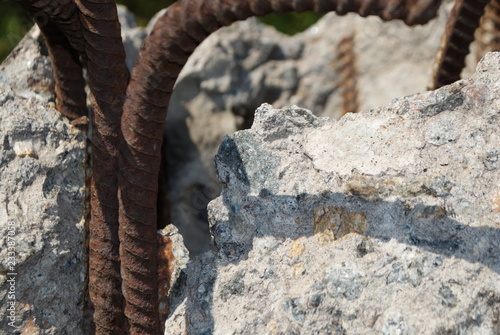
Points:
(60, 28)
(90, 30)
(108, 79)
(67, 70)
(462, 23)
(348, 74)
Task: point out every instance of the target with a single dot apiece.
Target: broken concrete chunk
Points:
(385, 221)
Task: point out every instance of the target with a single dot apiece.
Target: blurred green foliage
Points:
(291, 23)
(14, 23)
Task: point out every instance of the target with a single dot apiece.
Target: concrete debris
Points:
(384, 222)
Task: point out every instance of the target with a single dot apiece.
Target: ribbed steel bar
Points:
(348, 74)
(174, 37)
(71, 100)
(108, 79)
(61, 30)
(463, 22)
(90, 29)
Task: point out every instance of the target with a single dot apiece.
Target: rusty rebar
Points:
(91, 30)
(348, 74)
(71, 100)
(108, 79)
(488, 34)
(175, 36)
(60, 27)
(462, 23)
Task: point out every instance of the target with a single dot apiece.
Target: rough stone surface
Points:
(239, 67)
(384, 222)
(42, 169)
